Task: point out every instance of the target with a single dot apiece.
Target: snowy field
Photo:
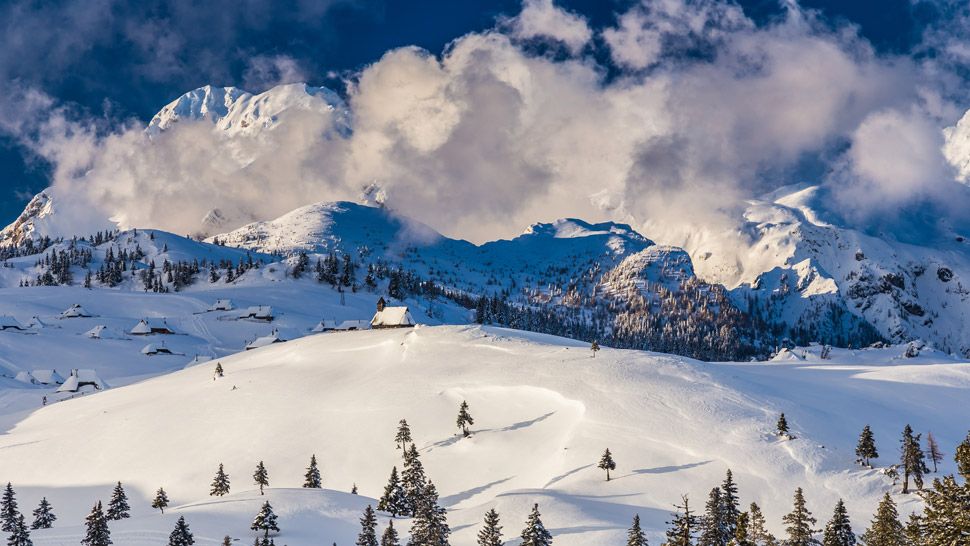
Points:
(544, 411)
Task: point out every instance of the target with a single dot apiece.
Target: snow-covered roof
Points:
(150, 325)
(47, 377)
(258, 311)
(80, 378)
(273, 337)
(37, 323)
(392, 317)
(24, 377)
(75, 311)
(103, 332)
(327, 325)
(221, 305)
(8, 322)
(156, 349)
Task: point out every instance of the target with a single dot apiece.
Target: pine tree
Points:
(118, 505)
(606, 463)
(535, 533)
(8, 510)
(353, 489)
(947, 512)
(261, 477)
(265, 520)
(227, 541)
(595, 346)
(731, 503)
(885, 530)
(741, 536)
(933, 450)
(403, 437)
(44, 517)
(757, 530)
(915, 531)
(491, 533)
(429, 526)
(838, 531)
(220, 484)
(368, 528)
(181, 536)
(866, 448)
(782, 427)
(912, 460)
(634, 536)
(311, 480)
(161, 500)
(219, 370)
(20, 536)
(413, 480)
(714, 527)
(464, 419)
(800, 523)
(97, 533)
(393, 501)
(962, 457)
(683, 526)
(390, 538)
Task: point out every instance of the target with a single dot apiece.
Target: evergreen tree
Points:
(607, 463)
(946, 512)
(413, 480)
(8, 510)
(800, 523)
(429, 526)
(160, 502)
(97, 533)
(714, 526)
(491, 533)
(634, 536)
(731, 503)
(44, 517)
(403, 437)
(311, 480)
(838, 531)
(757, 530)
(885, 530)
(464, 419)
(261, 477)
(915, 531)
(741, 536)
(20, 536)
(393, 501)
(265, 521)
(594, 346)
(220, 484)
(962, 457)
(535, 533)
(227, 541)
(181, 536)
(118, 505)
(390, 538)
(866, 448)
(368, 528)
(782, 427)
(933, 450)
(219, 371)
(683, 526)
(912, 460)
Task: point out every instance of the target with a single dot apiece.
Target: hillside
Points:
(544, 411)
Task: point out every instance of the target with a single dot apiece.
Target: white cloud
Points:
(541, 18)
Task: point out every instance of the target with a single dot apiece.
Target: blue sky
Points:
(112, 60)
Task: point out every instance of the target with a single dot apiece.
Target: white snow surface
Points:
(544, 410)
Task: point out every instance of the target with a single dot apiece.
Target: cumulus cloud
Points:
(488, 137)
(543, 19)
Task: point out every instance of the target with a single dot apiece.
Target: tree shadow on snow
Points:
(514, 426)
(663, 469)
(452, 500)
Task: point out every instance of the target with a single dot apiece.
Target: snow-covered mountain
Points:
(237, 112)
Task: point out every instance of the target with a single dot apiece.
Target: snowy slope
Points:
(544, 412)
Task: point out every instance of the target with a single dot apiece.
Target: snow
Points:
(8, 322)
(265, 341)
(544, 411)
